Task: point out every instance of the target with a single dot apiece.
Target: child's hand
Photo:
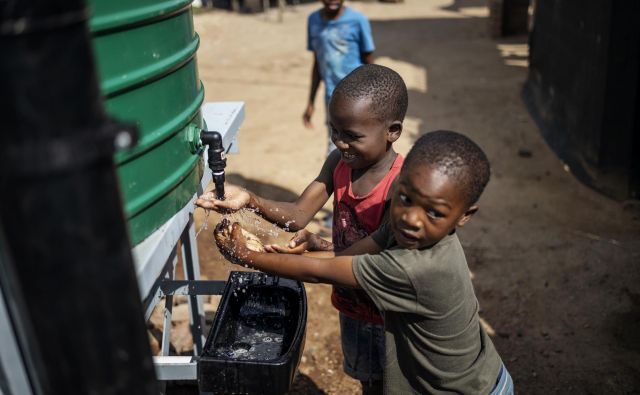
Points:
(231, 241)
(235, 199)
(306, 117)
(302, 241)
(276, 248)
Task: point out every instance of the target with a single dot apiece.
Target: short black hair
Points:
(455, 155)
(385, 88)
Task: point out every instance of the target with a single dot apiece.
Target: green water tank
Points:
(146, 59)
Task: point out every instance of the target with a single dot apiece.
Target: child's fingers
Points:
(227, 205)
(298, 238)
(275, 248)
(236, 230)
(288, 250)
(208, 196)
(222, 228)
(208, 201)
(207, 204)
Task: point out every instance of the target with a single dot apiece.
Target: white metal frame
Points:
(155, 257)
(11, 362)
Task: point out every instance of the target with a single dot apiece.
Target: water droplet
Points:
(205, 222)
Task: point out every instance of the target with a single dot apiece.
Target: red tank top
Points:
(354, 218)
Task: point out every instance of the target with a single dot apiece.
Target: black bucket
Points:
(257, 337)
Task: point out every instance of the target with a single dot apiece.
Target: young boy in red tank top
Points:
(366, 112)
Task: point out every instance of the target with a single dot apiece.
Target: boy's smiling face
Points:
(426, 206)
(361, 137)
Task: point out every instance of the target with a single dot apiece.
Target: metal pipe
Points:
(217, 159)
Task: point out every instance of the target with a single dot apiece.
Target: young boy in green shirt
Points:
(414, 269)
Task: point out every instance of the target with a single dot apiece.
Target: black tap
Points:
(217, 159)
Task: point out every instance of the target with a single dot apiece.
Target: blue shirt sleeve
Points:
(309, 23)
(366, 37)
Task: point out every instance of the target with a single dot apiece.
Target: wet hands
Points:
(302, 241)
(231, 241)
(235, 199)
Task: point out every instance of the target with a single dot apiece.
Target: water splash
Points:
(205, 222)
(250, 221)
(258, 333)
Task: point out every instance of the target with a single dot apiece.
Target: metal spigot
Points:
(217, 159)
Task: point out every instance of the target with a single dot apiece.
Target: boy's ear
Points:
(467, 215)
(394, 131)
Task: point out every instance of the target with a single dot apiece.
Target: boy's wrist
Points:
(257, 260)
(320, 244)
(253, 202)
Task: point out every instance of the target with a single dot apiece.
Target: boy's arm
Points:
(292, 216)
(296, 215)
(310, 244)
(361, 247)
(368, 58)
(336, 270)
(367, 45)
(315, 83)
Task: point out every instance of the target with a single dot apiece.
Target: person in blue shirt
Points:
(341, 40)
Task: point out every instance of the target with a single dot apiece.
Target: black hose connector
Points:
(217, 159)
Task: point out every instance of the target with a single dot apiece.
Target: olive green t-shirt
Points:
(434, 341)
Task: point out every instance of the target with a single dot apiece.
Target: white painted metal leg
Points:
(191, 267)
(12, 369)
(168, 309)
(176, 368)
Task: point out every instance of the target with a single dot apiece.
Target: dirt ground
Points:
(556, 265)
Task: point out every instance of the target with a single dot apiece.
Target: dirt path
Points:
(555, 265)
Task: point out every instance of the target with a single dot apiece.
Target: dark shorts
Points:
(362, 348)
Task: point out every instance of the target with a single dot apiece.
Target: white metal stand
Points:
(155, 257)
(12, 367)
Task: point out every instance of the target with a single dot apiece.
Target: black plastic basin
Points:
(257, 337)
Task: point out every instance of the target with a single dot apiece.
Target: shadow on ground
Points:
(304, 385)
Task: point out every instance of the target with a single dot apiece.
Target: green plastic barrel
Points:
(146, 59)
